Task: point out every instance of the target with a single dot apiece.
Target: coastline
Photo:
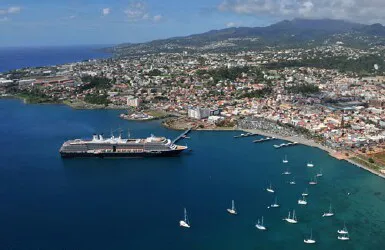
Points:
(365, 168)
(310, 143)
(77, 105)
(298, 139)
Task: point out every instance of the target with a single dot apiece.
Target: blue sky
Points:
(66, 22)
(72, 22)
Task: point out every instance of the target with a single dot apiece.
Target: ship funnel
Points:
(95, 137)
(101, 137)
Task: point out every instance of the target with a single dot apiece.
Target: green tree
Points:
(95, 82)
(97, 99)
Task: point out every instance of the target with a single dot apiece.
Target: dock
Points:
(286, 145)
(181, 136)
(245, 135)
(264, 139)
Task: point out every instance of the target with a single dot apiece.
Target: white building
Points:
(26, 82)
(133, 102)
(202, 113)
(5, 82)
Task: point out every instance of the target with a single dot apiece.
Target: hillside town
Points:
(342, 109)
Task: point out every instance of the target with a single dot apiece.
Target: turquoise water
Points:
(51, 203)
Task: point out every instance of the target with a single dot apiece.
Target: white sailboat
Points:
(292, 220)
(292, 182)
(310, 240)
(306, 193)
(319, 174)
(343, 231)
(275, 205)
(310, 164)
(287, 172)
(302, 201)
(260, 225)
(329, 213)
(232, 210)
(270, 189)
(343, 237)
(184, 222)
(285, 160)
(313, 181)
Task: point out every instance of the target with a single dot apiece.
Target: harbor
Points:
(285, 145)
(150, 194)
(181, 136)
(245, 135)
(264, 139)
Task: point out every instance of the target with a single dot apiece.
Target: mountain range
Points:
(284, 34)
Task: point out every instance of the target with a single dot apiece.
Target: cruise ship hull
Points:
(113, 147)
(170, 153)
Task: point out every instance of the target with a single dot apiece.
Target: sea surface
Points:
(51, 203)
(18, 57)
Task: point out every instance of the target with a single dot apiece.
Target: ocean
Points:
(53, 203)
(15, 58)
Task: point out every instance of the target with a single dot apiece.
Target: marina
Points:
(245, 135)
(264, 139)
(285, 145)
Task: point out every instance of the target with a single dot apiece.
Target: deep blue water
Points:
(51, 203)
(15, 58)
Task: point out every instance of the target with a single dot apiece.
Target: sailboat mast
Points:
(185, 215)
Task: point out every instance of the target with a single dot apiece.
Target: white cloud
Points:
(231, 24)
(138, 11)
(106, 11)
(157, 18)
(14, 9)
(10, 10)
(355, 10)
(306, 9)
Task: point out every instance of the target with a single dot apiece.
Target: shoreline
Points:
(365, 168)
(310, 143)
(298, 139)
(75, 106)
